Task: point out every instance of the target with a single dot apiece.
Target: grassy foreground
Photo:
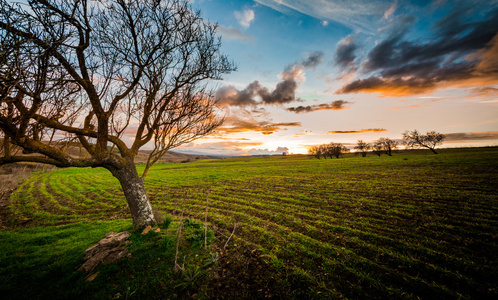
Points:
(412, 225)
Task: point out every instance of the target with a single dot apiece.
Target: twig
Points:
(174, 209)
(177, 266)
(234, 226)
(205, 220)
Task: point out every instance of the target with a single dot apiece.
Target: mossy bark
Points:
(136, 196)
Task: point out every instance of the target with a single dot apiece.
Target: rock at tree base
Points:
(107, 250)
(146, 230)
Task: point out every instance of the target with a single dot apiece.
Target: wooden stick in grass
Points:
(177, 266)
(234, 226)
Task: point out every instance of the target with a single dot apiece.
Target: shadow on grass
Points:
(42, 263)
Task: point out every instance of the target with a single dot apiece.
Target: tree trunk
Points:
(433, 151)
(136, 196)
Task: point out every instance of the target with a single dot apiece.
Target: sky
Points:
(311, 72)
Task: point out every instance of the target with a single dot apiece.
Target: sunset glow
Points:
(313, 72)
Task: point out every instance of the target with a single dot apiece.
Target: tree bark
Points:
(136, 196)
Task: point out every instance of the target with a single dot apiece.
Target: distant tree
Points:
(89, 71)
(327, 150)
(315, 151)
(322, 150)
(362, 147)
(385, 145)
(378, 148)
(335, 150)
(430, 140)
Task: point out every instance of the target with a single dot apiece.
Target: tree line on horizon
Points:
(412, 139)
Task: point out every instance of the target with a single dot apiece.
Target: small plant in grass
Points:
(191, 278)
(166, 223)
(194, 232)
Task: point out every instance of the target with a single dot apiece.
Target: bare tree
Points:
(362, 147)
(327, 150)
(334, 150)
(315, 151)
(377, 148)
(430, 140)
(385, 145)
(95, 71)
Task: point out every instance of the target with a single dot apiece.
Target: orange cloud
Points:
(357, 131)
(237, 125)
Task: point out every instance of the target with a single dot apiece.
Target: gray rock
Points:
(107, 250)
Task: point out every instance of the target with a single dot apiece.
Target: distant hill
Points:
(171, 157)
(77, 151)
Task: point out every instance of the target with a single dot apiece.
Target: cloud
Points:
(218, 148)
(277, 151)
(237, 125)
(357, 14)
(244, 17)
(335, 105)
(463, 51)
(345, 55)
(284, 92)
(486, 91)
(233, 33)
(229, 95)
(357, 131)
(388, 13)
(311, 60)
(471, 136)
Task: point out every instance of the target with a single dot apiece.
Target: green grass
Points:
(407, 226)
(42, 263)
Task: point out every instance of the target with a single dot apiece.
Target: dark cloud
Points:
(335, 105)
(312, 60)
(284, 92)
(463, 47)
(357, 131)
(229, 95)
(345, 55)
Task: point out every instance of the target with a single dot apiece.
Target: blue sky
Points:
(317, 71)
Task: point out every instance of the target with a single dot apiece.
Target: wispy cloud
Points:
(334, 105)
(471, 136)
(357, 14)
(357, 131)
(230, 148)
(245, 17)
(233, 33)
(388, 13)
